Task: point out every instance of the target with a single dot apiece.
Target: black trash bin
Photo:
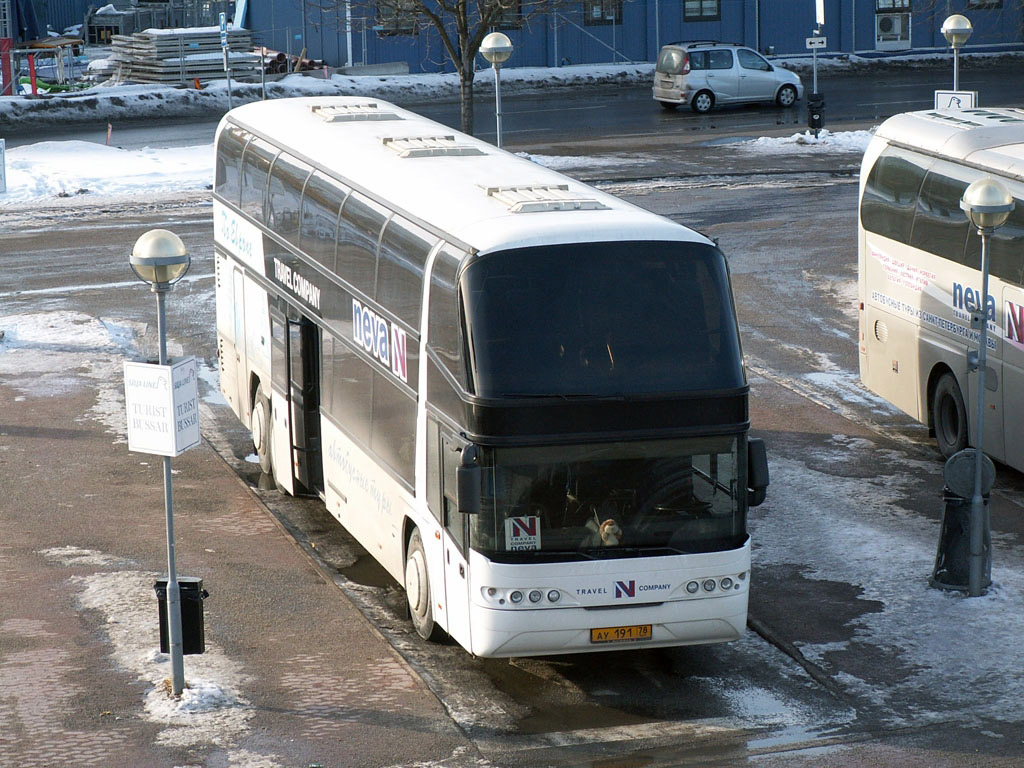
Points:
(816, 112)
(191, 595)
(952, 561)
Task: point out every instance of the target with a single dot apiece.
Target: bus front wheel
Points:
(261, 430)
(417, 589)
(949, 416)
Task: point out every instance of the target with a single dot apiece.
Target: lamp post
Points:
(987, 205)
(497, 49)
(956, 29)
(160, 259)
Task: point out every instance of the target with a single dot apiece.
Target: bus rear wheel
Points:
(261, 430)
(949, 416)
(417, 589)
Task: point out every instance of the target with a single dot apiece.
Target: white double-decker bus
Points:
(920, 275)
(524, 397)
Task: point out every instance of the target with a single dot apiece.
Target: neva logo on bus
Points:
(625, 588)
(1015, 324)
(522, 533)
(382, 340)
(966, 299)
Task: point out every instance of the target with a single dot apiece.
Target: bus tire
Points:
(949, 416)
(261, 427)
(417, 589)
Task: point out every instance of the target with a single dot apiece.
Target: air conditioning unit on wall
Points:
(892, 26)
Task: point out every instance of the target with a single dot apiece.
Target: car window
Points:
(750, 60)
(698, 60)
(719, 59)
(670, 61)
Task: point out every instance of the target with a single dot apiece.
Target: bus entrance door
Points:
(456, 569)
(304, 397)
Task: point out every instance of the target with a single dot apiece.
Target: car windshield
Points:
(615, 499)
(670, 61)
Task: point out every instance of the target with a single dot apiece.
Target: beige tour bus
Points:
(920, 275)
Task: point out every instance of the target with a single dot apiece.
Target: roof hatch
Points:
(430, 146)
(347, 113)
(543, 197)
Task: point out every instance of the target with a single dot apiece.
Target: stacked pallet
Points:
(181, 55)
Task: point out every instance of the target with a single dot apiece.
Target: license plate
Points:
(619, 634)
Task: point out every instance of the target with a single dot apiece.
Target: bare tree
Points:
(461, 26)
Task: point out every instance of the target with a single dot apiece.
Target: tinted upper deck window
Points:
(601, 319)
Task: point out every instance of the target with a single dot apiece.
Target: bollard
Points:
(952, 561)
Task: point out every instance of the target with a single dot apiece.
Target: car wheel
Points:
(261, 426)
(786, 96)
(668, 106)
(702, 102)
(949, 416)
(417, 590)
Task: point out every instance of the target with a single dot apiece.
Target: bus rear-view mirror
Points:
(757, 471)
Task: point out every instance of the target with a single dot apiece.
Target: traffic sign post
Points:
(816, 101)
(224, 49)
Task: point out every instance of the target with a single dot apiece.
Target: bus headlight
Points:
(536, 595)
(692, 587)
(516, 596)
(554, 596)
(726, 583)
(709, 585)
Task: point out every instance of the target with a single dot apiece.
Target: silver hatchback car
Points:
(705, 73)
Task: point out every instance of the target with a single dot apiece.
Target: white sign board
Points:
(819, 12)
(162, 404)
(816, 42)
(3, 166)
(956, 99)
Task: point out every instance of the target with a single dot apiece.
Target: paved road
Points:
(627, 113)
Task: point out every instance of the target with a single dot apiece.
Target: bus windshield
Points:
(601, 320)
(616, 499)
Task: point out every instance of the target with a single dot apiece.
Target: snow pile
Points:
(52, 169)
(840, 141)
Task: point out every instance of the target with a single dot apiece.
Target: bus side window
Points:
(444, 337)
(452, 519)
(284, 196)
(1007, 245)
(890, 193)
(940, 225)
(404, 248)
(318, 220)
(230, 146)
(434, 469)
(256, 163)
(358, 236)
(349, 379)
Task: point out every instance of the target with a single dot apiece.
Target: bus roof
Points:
(991, 139)
(472, 192)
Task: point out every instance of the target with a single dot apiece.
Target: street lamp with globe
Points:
(497, 49)
(957, 29)
(987, 204)
(161, 259)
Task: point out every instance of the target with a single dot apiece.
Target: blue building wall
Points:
(565, 38)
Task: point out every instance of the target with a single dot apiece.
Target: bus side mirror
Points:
(757, 471)
(467, 478)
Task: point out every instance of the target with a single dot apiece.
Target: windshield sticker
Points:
(522, 533)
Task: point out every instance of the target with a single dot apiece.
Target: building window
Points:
(395, 17)
(509, 15)
(702, 10)
(602, 12)
(885, 6)
(973, 4)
